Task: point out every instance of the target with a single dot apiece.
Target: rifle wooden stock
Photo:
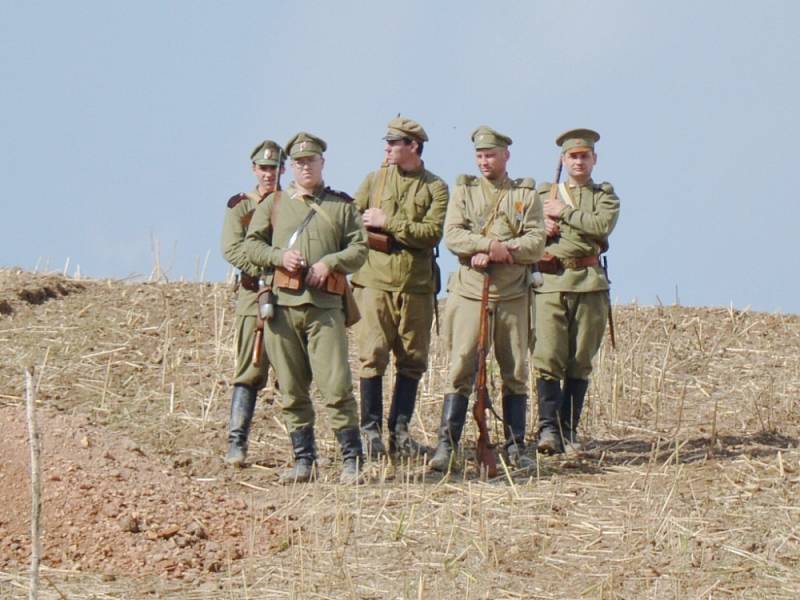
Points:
(484, 452)
(255, 359)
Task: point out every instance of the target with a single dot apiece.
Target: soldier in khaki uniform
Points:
(495, 226)
(572, 304)
(311, 236)
(267, 158)
(404, 204)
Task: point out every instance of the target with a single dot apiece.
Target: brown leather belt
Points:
(248, 282)
(554, 266)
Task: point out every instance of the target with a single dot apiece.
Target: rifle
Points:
(536, 275)
(437, 286)
(610, 313)
(484, 452)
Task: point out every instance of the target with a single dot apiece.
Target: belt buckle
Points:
(569, 263)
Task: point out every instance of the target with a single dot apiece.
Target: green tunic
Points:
(238, 212)
(571, 306)
(480, 212)
(395, 291)
(307, 337)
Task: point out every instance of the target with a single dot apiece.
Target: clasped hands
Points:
(499, 252)
(317, 273)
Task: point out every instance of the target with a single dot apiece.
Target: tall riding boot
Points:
(305, 455)
(243, 403)
(549, 392)
(404, 399)
(454, 413)
(352, 456)
(571, 408)
(372, 415)
(514, 409)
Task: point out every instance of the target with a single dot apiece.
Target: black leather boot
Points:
(371, 390)
(243, 403)
(352, 456)
(401, 444)
(549, 392)
(514, 412)
(571, 408)
(305, 455)
(454, 413)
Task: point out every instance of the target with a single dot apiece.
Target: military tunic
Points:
(238, 213)
(307, 338)
(572, 305)
(479, 212)
(395, 291)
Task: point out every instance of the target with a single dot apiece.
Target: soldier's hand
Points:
(293, 261)
(499, 253)
(551, 227)
(479, 260)
(374, 217)
(317, 275)
(553, 208)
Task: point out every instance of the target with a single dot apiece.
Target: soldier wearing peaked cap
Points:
(311, 236)
(403, 207)
(267, 162)
(494, 224)
(572, 304)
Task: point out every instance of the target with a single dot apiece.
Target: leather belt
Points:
(554, 266)
(248, 282)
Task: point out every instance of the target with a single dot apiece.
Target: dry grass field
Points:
(689, 488)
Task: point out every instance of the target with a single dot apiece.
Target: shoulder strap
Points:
(565, 195)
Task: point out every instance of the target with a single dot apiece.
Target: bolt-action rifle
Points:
(484, 451)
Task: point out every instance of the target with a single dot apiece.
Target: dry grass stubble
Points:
(688, 490)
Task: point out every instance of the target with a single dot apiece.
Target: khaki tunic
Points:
(307, 338)
(572, 306)
(395, 291)
(238, 213)
(478, 213)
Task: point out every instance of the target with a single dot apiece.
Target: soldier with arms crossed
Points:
(312, 237)
(572, 304)
(494, 225)
(403, 207)
(267, 158)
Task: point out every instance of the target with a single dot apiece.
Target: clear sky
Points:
(124, 123)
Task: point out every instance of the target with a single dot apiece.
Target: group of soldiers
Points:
(294, 248)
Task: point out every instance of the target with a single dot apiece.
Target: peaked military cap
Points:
(268, 153)
(304, 144)
(577, 139)
(401, 128)
(486, 137)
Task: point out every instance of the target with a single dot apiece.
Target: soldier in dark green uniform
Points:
(311, 236)
(403, 206)
(494, 225)
(572, 304)
(267, 158)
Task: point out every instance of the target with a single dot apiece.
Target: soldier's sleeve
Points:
(232, 242)
(532, 236)
(600, 222)
(257, 243)
(458, 236)
(427, 232)
(354, 241)
(362, 193)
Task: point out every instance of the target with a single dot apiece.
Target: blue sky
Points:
(126, 123)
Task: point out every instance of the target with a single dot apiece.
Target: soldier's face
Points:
(492, 162)
(308, 170)
(400, 152)
(267, 177)
(579, 164)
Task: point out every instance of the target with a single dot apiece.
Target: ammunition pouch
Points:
(553, 265)
(248, 282)
(377, 240)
